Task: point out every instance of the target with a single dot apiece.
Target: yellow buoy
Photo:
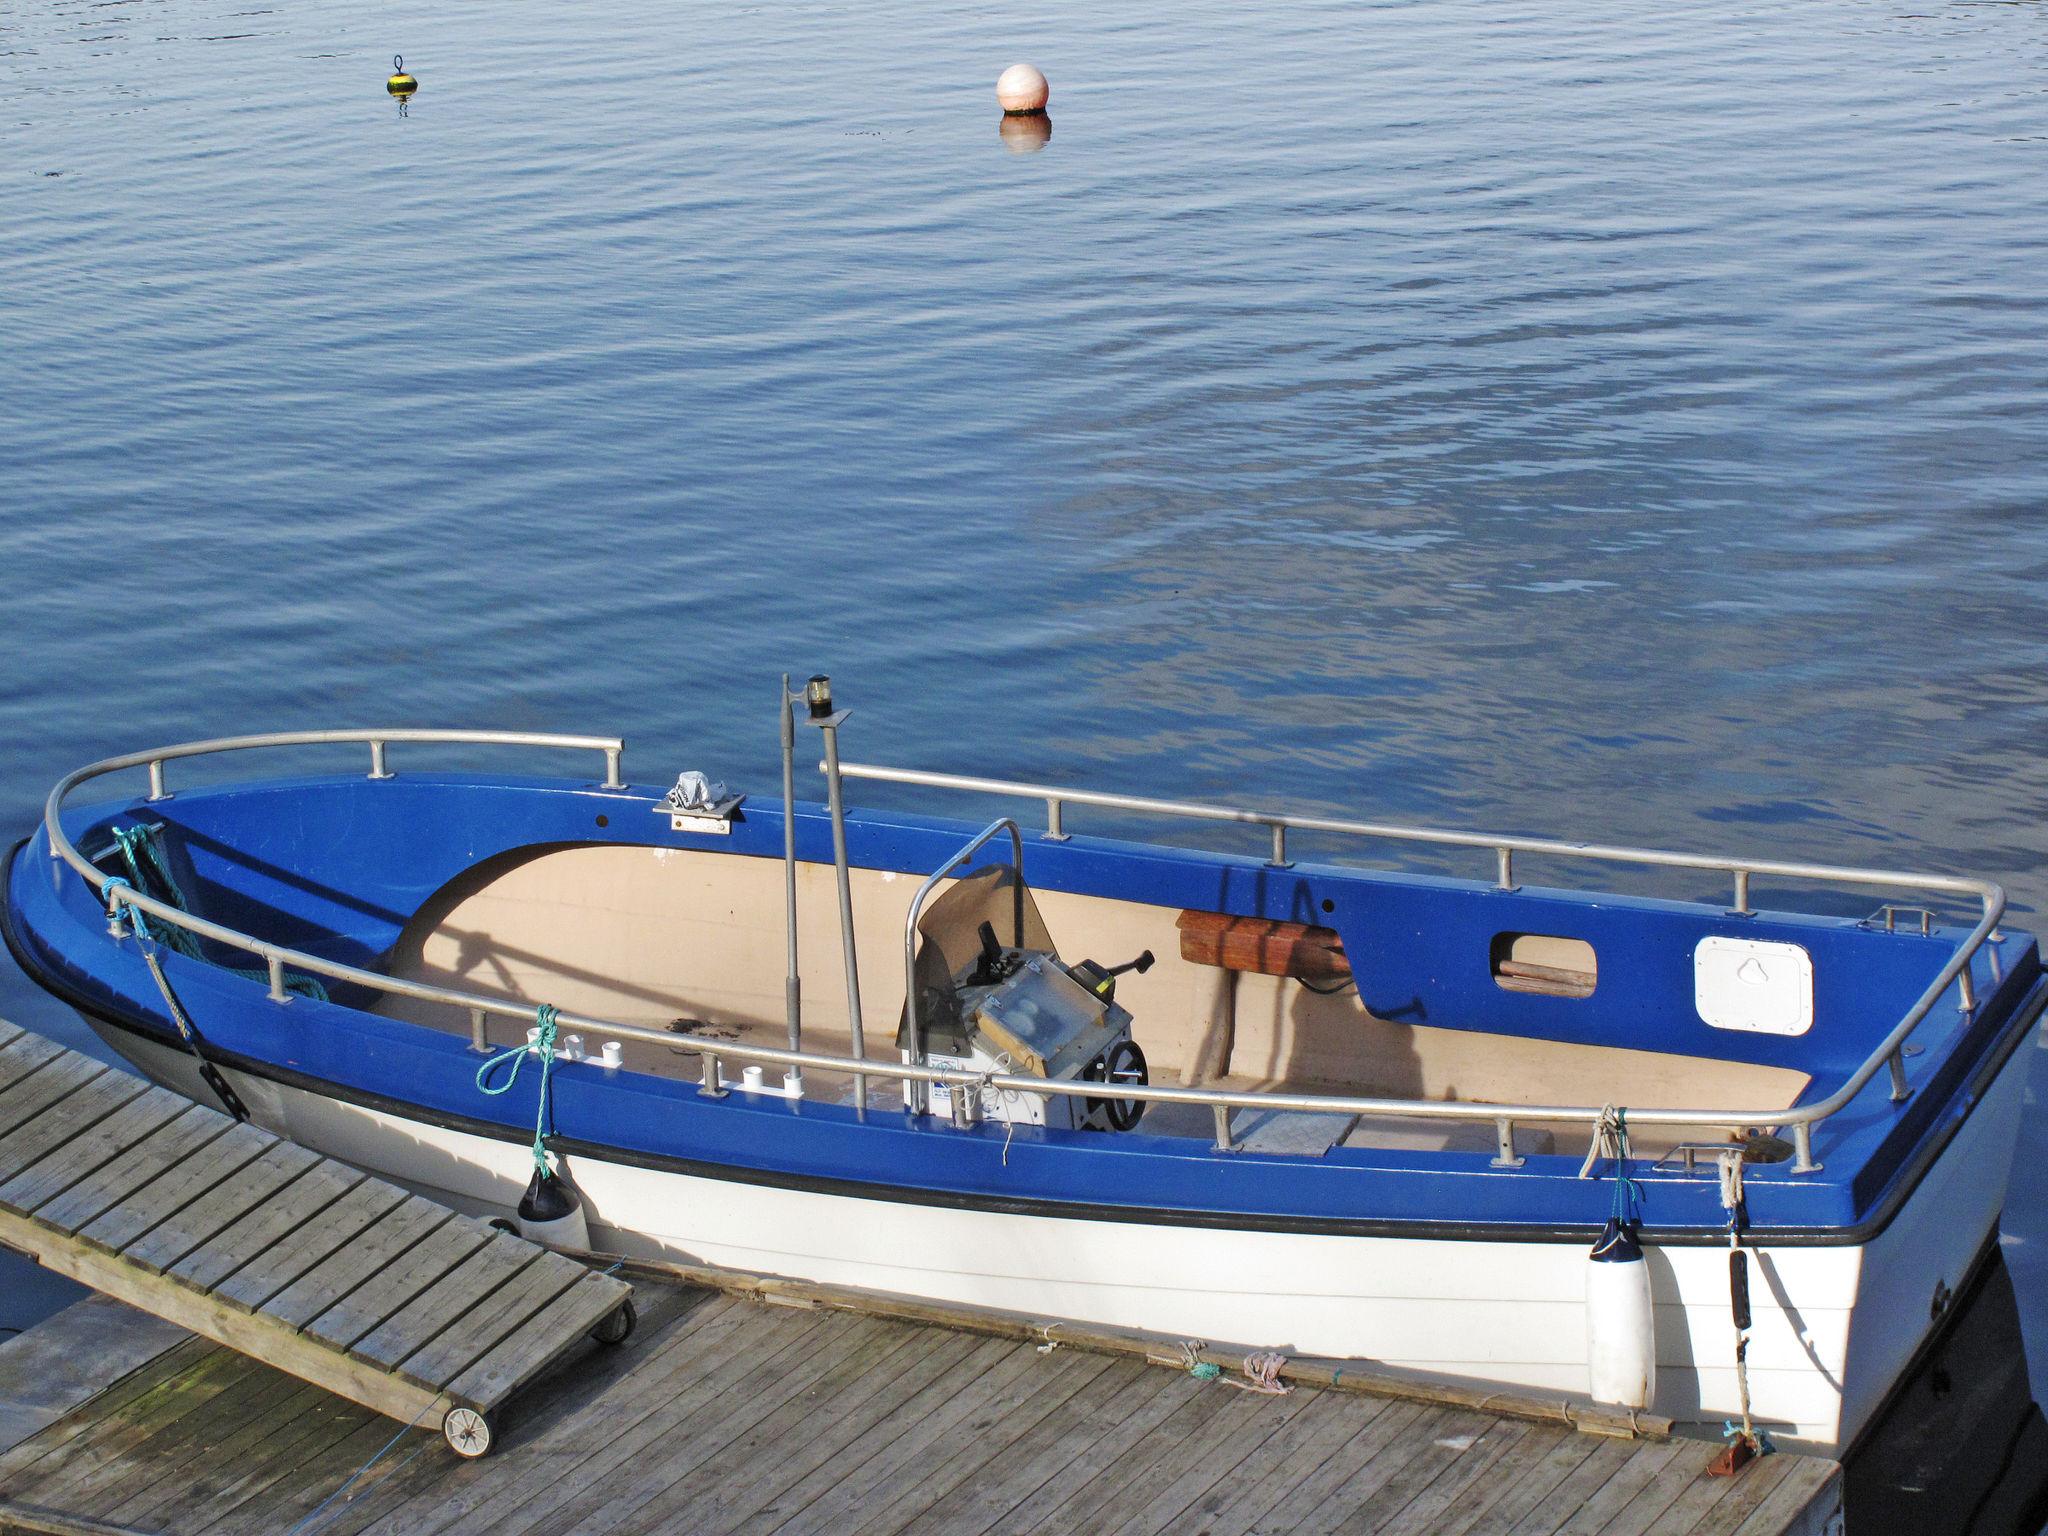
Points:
(400, 83)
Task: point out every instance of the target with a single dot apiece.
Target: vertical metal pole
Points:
(611, 769)
(377, 767)
(278, 994)
(1742, 892)
(792, 986)
(479, 1032)
(156, 781)
(1900, 1090)
(1504, 1145)
(1504, 868)
(1802, 1148)
(1222, 1114)
(839, 864)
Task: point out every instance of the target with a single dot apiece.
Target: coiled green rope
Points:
(139, 851)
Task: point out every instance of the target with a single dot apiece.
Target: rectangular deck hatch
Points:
(1753, 984)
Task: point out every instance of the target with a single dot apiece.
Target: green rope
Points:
(1627, 1206)
(542, 1043)
(137, 849)
(1203, 1370)
(140, 852)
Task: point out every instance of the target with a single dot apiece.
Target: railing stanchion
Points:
(1742, 892)
(1055, 832)
(1504, 875)
(479, 1032)
(1223, 1140)
(611, 768)
(1279, 859)
(378, 770)
(714, 1084)
(1504, 1144)
(1969, 989)
(1901, 1091)
(277, 991)
(156, 780)
(1802, 1148)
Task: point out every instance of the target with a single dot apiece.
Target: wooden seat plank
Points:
(494, 1318)
(84, 1155)
(306, 1244)
(68, 1118)
(399, 1282)
(524, 1353)
(28, 1054)
(9, 1033)
(445, 1300)
(152, 1225)
(396, 1232)
(247, 1213)
(179, 1138)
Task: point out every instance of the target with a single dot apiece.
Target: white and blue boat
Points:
(1317, 1108)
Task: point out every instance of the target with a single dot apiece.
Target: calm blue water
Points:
(1599, 420)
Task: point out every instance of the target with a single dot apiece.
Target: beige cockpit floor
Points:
(650, 935)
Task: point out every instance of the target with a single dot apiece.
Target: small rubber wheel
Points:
(618, 1324)
(469, 1431)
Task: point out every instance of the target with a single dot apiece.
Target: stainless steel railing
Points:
(920, 1100)
(1890, 1052)
(1801, 1118)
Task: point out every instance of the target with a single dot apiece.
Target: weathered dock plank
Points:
(356, 1263)
(236, 1234)
(399, 1283)
(145, 1224)
(91, 1149)
(126, 1175)
(23, 1054)
(727, 1415)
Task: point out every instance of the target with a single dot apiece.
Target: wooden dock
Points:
(392, 1301)
(727, 1413)
(740, 1404)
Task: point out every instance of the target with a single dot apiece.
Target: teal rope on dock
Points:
(543, 1044)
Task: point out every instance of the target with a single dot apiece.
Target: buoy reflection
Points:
(1025, 134)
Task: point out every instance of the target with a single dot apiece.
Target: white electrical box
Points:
(1753, 984)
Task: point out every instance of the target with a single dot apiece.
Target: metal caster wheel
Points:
(617, 1326)
(469, 1431)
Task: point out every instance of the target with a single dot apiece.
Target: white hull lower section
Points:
(1833, 1326)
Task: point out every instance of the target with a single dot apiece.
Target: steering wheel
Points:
(1123, 1062)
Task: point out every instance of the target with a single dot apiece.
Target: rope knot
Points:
(542, 1044)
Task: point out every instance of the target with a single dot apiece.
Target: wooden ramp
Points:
(340, 1279)
(732, 1414)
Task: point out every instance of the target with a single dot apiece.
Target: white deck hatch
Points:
(1753, 984)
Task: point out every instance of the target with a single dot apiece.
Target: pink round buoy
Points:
(1021, 89)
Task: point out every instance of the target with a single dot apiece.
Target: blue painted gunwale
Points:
(336, 865)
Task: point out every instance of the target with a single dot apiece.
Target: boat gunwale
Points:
(1899, 1188)
(1800, 1118)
